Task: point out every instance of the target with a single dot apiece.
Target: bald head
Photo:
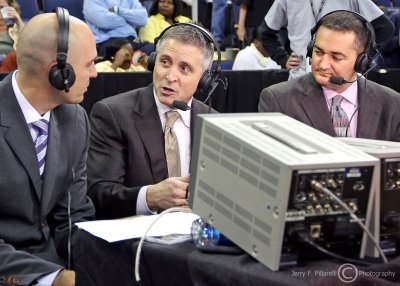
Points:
(37, 43)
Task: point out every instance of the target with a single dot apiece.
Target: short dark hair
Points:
(15, 5)
(177, 8)
(347, 21)
(113, 46)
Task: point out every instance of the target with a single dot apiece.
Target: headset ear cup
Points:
(310, 47)
(362, 63)
(205, 82)
(151, 61)
(70, 74)
(55, 77)
(62, 78)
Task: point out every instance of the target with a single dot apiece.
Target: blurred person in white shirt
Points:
(254, 57)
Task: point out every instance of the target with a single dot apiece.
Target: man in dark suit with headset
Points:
(343, 51)
(43, 180)
(127, 165)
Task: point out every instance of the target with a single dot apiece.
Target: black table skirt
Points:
(98, 262)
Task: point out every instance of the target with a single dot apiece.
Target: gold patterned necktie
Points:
(340, 120)
(171, 145)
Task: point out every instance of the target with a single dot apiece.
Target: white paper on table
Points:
(135, 227)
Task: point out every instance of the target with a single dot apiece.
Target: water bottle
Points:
(205, 235)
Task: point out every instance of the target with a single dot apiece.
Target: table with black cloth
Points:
(98, 262)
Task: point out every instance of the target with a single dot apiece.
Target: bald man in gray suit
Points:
(39, 205)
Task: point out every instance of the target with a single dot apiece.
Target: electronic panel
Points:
(254, 177)
(388, 200)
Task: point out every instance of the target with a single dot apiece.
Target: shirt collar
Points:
(30, 113)
(163, 109)
(350, 94)
(264, 61)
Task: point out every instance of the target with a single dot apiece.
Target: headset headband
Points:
(204, 32)
(63, 32)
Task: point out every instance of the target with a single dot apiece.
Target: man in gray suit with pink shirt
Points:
(343, 50)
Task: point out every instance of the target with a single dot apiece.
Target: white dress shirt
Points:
(182, 132)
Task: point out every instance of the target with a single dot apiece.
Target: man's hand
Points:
(293, 61)
(65, 278)
(168, 193)
(120, 56)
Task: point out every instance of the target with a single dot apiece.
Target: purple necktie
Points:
(41, 127)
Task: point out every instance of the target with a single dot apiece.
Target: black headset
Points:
(62, 75)
(209, 77)
(365, 60)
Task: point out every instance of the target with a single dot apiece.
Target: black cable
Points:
(214, 85)
(69, 243)
(365, 75)
(305, 237)
(319, 187)
(393, 220)
(69, 231)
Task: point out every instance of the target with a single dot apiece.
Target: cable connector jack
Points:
(316, 185)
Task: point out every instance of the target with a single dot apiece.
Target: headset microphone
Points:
(338, 80)
(180, 105)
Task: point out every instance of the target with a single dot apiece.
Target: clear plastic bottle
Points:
(203, 234)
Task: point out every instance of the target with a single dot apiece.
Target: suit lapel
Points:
(53, 159)
(20, 140)
(369, 112)
(18, 135)
(148, 125)
(315, 107)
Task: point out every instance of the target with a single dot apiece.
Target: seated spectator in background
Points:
(354, 108)
(9, 63)
(163, 13)
(114, 19)
(254, 57)
(9, 35)
(128, 169)
(118, 57)
(391, 53)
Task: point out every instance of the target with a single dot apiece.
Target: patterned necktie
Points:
(339, 118)
(171, 145)
(41, 126)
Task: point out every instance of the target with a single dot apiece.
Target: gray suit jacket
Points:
(303, 99)
(33, 214)
(126, 150)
